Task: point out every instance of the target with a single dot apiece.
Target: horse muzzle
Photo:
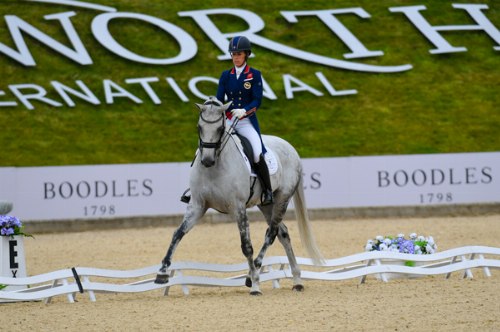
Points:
(208, 159)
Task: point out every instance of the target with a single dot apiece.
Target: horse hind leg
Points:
(193, 214)
(284, 238)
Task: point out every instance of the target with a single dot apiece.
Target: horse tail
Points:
(306, 236)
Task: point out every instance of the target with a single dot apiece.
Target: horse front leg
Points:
(279, 209)
(284, 238)
(193, 214)
(247, 249)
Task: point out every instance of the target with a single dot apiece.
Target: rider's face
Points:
(238, 58)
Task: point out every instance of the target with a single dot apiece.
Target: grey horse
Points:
(220, 180)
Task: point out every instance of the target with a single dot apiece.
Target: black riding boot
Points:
(185, 198)
(265, 178)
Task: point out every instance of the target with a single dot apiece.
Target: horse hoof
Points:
(161, 279)
(248, 283)
(298, 288)
(256, 293)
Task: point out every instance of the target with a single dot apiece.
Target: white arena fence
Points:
(71, 281)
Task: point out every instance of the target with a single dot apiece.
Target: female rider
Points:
(243, 86)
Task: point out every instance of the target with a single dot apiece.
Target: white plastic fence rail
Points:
(70, 281)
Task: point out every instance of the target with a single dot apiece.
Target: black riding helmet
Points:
(240, 44)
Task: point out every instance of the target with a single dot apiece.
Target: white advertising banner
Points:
(104, 191)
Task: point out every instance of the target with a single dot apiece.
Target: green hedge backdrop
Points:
(446, 103)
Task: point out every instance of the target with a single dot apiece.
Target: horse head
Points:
(211, 126)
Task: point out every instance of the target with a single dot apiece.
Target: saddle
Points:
(247, 148)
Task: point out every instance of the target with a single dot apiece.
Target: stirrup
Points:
(185, 198)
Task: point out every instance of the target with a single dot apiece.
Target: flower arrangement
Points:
(415, 245)
(10, 226)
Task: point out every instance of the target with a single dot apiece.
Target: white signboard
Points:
(104, 191)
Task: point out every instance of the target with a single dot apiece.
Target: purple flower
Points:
(4, 220)
(7, 231)
(15, 222)
(9, 221)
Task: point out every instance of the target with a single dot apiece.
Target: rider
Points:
(243, 86)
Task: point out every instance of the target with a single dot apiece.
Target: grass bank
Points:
(446, 103)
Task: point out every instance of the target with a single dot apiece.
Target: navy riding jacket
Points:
(245, 92)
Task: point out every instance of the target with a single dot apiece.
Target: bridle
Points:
(219, 142)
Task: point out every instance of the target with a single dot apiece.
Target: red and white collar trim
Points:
(247, 69)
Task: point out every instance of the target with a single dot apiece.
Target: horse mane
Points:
(213, 101)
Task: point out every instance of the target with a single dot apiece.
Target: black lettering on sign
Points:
(49, 190)
(132, 188)
(424, 177)
(396, 178)
(68, 186)
(78, 190)
(486, 174)
(14, 272)
(451, 177)
(97, 189)
(469, 175)
(114, 190)
(316, 180)
(146, 186)
(13, 255)
(434, 182)
(384, 178)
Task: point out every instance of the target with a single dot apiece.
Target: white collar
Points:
(240, 68)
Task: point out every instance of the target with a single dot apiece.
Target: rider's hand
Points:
(239, 113)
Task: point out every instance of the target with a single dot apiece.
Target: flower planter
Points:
(12, 260)
(391, 275)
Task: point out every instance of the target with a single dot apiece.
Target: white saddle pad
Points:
(270, 158)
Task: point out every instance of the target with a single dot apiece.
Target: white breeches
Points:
(245, 128)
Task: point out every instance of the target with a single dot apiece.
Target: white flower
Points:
(369, 242)
(430, 240)
(383, 247)
(417, 248)
(368, 247)
(394, 248)
(380, 238)
(413, 236)
(428, 248)
(401, 235)
(435, 247)
(421, 238)
(418, 252)
(387, 242)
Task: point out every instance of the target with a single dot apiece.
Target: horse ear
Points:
(225, 107)
(200, 106)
